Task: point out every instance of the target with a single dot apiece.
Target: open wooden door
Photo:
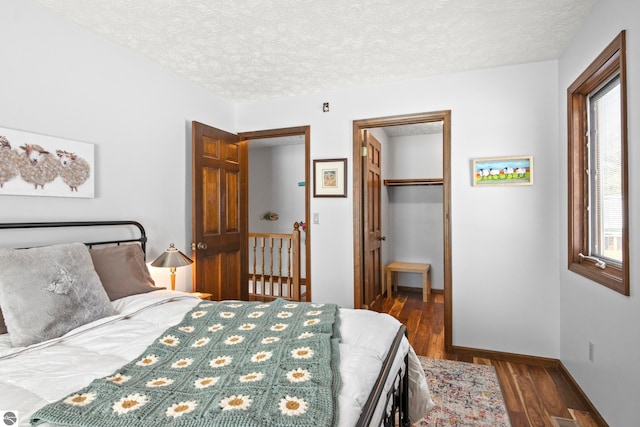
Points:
(372, 185)
(219, 213)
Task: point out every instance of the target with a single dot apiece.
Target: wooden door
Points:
(372, 180)
(219, 213)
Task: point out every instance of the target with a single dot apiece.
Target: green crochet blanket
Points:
(225, 364)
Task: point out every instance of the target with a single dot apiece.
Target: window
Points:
(598, 202)
(605, 183)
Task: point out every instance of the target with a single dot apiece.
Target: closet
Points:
(412, 200)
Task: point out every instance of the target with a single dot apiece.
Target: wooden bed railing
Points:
(274, 265)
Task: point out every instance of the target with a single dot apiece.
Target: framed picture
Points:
(513, 170)
(330, 178)
(38, 165)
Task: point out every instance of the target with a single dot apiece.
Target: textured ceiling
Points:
(414, 129)
(276, 141)
(247, 50)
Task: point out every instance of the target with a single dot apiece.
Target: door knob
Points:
(199, 245)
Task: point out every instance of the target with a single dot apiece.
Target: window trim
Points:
(611, 62)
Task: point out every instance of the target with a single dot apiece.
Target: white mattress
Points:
(31, 377)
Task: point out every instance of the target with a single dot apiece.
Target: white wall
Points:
(59, 79)
(415, 156)
(505, 260)
(589, 311)
(274, 174)
(260, 188)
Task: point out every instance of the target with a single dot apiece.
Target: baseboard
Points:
(409, 289)
(418, 290)
(507, 357)
(576, 388)
(536, 361)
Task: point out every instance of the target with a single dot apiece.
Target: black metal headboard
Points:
(31, 225)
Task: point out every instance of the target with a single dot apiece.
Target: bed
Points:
(52, 365)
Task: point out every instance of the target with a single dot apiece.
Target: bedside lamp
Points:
(172, 258)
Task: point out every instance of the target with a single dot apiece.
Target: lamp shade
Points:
(172, 257)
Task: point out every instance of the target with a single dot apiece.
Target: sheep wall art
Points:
(39, 165)
(517, 170)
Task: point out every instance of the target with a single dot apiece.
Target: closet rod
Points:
(412, 181)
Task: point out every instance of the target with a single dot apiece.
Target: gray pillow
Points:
(122, 270)
(46, 292)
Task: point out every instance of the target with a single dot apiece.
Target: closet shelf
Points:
(412, 181)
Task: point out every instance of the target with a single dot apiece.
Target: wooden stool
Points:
(410, 267)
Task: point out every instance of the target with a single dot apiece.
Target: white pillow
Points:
(46, 292)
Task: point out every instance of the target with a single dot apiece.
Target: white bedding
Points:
(31, 377)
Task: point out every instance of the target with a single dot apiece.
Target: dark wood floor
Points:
(533, 394)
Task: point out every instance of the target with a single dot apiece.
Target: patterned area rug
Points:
(465, 394)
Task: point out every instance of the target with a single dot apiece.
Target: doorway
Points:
(279, 139)
(362, 287)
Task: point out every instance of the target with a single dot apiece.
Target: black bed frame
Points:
(142, 239)
(396, 400)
